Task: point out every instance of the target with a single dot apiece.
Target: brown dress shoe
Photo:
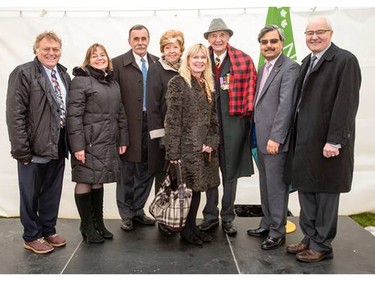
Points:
(55, 240)
(296, 248)
(39, 246)
(311, 255)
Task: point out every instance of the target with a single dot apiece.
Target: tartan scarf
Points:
(242, 82)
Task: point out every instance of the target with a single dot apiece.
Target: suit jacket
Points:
(328, 106)
(274, 105)
(129, 76)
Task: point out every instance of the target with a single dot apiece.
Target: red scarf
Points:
(242, 82)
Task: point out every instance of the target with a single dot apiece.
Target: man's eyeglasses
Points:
(272, 41)
(317, 32)
(47, 50)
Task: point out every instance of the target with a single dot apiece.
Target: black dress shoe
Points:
(127, 224)
(272, 243)
(143, 219)
(229, 228)
(206, 224)
(258, 232)
(192, 239)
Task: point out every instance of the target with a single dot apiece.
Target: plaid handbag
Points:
(171, 204)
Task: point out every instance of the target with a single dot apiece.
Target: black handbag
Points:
(171, 204)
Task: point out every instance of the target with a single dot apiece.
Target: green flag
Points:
(281, 17)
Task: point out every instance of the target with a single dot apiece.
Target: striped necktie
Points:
(59, 97)
(217, 61)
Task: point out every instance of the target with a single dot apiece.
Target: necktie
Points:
(217, 61)
(311, 66)
(59, 97)
(266, 71)
(144, 77)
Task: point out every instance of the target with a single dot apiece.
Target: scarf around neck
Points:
(242, 85)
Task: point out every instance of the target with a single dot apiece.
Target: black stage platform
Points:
(147, 251)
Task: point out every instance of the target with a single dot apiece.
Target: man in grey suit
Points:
(273, 109)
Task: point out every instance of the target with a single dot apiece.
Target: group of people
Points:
(127, 119)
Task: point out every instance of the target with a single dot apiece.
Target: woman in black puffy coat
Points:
(98, 133)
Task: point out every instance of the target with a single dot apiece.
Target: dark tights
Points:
(86, 188)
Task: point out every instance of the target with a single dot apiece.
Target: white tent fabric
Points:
(353, 30)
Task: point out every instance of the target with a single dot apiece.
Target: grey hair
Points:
(271, 27)
(139, 27)
(317, 18)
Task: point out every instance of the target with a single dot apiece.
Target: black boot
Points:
(187, 233)
(84, 206)
(97, 211)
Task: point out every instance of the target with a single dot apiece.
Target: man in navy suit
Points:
(273, 110)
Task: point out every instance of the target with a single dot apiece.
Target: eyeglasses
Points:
(272, 41)
(317, 32)
(47, 50)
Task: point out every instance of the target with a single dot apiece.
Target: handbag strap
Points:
(179, 173)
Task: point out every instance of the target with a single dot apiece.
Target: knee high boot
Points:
(97, 211)
(187, 233)
(84, 206)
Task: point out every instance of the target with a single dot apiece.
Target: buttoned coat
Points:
(274, 104)
(328, 107)
(129, 76)
(190, 122)
(157, 85)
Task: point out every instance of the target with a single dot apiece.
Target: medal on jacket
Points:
(224, 82)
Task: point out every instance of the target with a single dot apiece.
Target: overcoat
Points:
(157, 84)
(328, 105)
(96, 123)
(190, 122)
(129, 76)
(32, 112)
(234, 132)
